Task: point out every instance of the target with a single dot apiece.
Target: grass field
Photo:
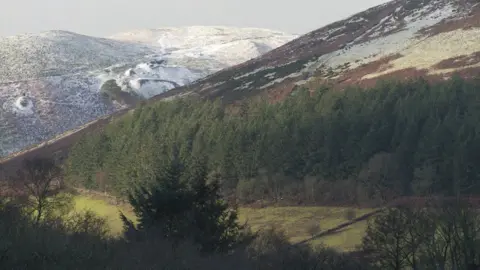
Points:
(295, 221)
(106, 210)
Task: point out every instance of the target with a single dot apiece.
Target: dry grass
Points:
(296, 221)
(430, 51)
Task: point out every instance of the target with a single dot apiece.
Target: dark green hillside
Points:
(353, 146)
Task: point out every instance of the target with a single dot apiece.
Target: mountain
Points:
(228, 45)
(56, 81)
(399, 39)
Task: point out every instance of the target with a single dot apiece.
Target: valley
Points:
(353, 146)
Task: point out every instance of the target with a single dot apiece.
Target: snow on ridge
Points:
(197, 36)
(230, 45)
(231, 53)
(61, 74)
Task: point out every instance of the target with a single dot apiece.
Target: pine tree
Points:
(183, 206)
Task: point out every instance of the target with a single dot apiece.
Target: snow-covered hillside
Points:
(55, 53)
(55, 81)
(229, 45)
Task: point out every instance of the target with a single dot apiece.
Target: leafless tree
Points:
(386, 241)
(443, 234)
(37, 181)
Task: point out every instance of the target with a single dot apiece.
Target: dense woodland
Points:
(323, 147)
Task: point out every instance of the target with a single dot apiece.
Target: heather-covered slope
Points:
(399, 39)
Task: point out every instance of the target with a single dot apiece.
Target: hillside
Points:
(56, 81)
(329, 147)
(399, 39)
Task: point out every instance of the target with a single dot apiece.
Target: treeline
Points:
(326, 146)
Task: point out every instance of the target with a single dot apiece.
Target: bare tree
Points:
(442, 235)
(386, 240)
(466, 235)
(38, 181)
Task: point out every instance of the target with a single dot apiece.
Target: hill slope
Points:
(55, 81)
(399, 39)
(402, 38)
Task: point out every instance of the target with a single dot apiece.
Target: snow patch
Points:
(252, 72)
(301, 82)
(380, 47)
(279, 80)
(270, 75)
(356, 20)
(21, 106)
(244, 86)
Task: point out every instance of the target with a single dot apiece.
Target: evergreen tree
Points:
(181, 205)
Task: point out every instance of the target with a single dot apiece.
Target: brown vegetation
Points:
(281, 92)
(355, 75)
(459, 62)
(472, 20)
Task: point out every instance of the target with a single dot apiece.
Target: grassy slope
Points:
(295, 221)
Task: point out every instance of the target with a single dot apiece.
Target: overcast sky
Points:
(107, 17)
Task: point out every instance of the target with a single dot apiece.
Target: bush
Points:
(26, 244)
(87, 223)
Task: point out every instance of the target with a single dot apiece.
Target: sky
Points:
(108, 17)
